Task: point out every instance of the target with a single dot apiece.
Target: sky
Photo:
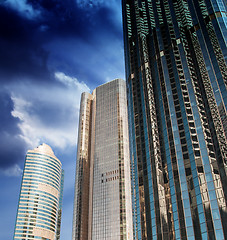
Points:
(50, 52)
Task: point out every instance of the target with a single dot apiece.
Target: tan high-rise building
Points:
(38, 207)
(102, 204)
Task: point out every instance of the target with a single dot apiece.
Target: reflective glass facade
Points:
(102, 208)
(175, 52)
(38, 206)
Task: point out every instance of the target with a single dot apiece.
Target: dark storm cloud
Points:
(21, 53)
(22, 38)
(12, 147)
(66, 18)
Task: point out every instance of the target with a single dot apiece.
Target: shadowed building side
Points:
(58, 232)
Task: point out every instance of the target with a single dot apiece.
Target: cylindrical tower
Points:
(39, 195)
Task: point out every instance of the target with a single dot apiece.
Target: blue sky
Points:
(51, 52)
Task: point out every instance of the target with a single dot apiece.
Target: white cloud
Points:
(14, 171)
(71, 81)
(27, 122)
(23, 7)
(48, 114)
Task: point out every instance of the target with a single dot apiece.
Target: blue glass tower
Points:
(176, 72)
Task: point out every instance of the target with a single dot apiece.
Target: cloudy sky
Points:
(50, 52)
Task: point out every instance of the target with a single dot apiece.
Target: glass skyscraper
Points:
(102, 204)
(38, 208)
(175, 52)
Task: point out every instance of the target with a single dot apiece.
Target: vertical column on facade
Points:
(124, 173)
(153, 44)
(143, 225)
(81, 199)
(58, 228)
(93, 114)
(166, 75)
(134, 170)
(154, 127)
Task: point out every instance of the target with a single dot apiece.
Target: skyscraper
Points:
(175, 52)
(38, 206)
(102, 204)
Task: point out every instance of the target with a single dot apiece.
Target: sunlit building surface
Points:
(82, 182)
(176, 74)
(38, 207)
(102, 205)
